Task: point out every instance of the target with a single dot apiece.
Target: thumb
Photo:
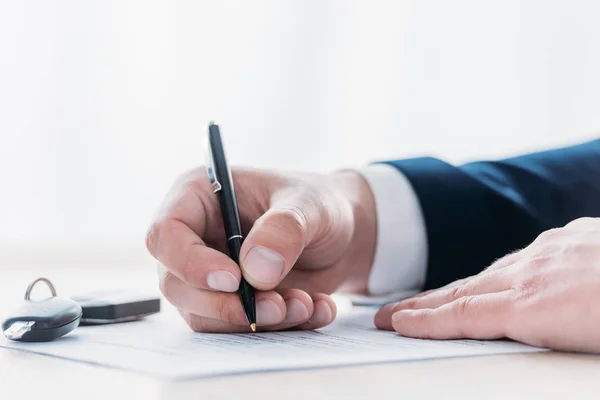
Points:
(276, 241)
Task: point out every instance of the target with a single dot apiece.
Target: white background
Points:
(102, 103)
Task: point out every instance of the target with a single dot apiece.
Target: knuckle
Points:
(192, 183)
(287, 224)
(464, 306)
(294, 217)
(584, 247)
(549, 234)
(527, 287)
(165, 284)
(581, 221)
(157, 230)
(408, 304)
(547, 250)
(537, 263)
(225, 311)
(196, 323)
(151, 237)
(189, 270)
(190, 177)
(222, 311)
(458, 292)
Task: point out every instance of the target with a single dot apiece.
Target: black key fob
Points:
(116, 306)
(42, 320)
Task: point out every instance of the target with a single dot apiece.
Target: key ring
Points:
(32, 284)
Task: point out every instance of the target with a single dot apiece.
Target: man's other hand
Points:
(546, 295)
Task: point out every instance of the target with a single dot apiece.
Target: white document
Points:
(166, 349)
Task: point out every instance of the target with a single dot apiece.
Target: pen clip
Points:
(210, 164)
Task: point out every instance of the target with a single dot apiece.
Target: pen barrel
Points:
(222, 181)
(248, 299)
(246, 291)
(234, 246)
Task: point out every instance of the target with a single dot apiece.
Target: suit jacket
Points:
(478, 212)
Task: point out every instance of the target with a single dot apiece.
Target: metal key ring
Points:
(32, 284)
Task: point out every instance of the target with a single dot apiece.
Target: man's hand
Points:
(546, 295)
(306, 236)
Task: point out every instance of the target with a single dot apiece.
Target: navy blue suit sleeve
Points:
(478, 212)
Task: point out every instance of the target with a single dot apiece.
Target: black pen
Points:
(222, 184)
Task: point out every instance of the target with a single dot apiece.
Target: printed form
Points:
(160, 348)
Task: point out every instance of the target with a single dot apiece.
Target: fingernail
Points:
(223, 281)
(296, 312)
(388, 308)
(263, 265)
(398, 314)
(267, 313)
(322, 314)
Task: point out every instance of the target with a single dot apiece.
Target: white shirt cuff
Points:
(400, 263)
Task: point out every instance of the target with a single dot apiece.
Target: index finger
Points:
(476, 317)
(174, 240)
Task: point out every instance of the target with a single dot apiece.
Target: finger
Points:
(325, 310)
(184, 203)
(500, 263)
(209, 325)
(276, 240)
(442, 295)
(270, 306)
(477, 317)
(175, 239)
(299, 309)
(184, 254)
(324, 313)
(383, 317)
(495, 281)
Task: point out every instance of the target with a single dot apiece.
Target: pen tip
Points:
(253, 327)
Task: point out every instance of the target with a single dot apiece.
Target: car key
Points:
(42, 320)
(114, 306)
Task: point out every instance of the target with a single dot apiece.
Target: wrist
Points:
(360, 254)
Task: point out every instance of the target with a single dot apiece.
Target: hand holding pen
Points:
(306, 236)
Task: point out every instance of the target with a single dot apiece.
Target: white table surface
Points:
(24, 375)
